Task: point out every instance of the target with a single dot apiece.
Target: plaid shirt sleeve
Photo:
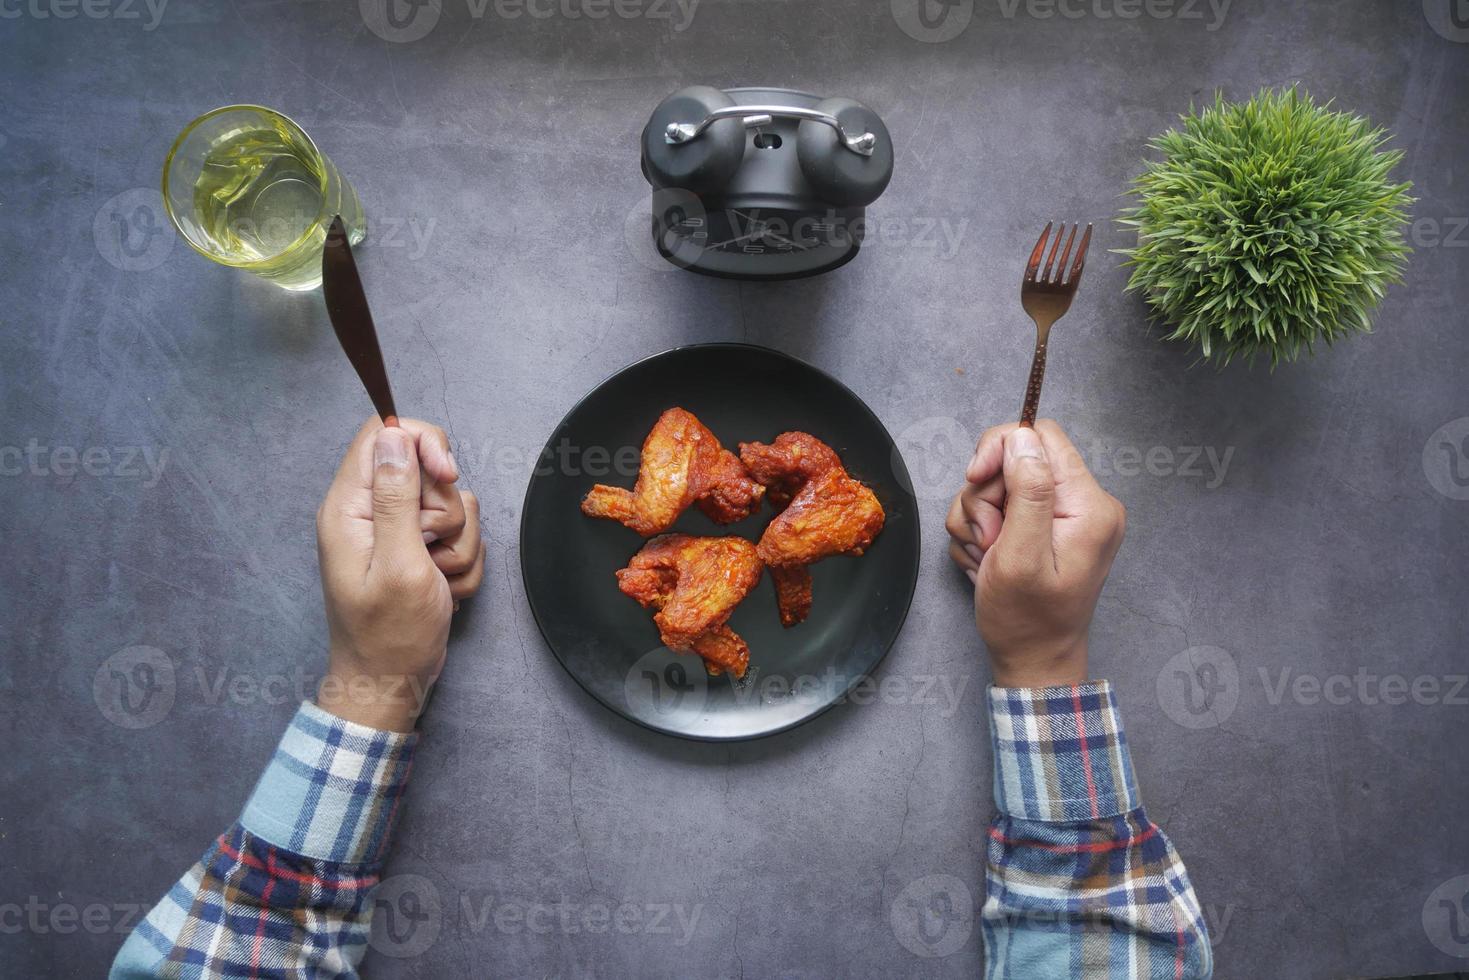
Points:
(1080, 882)
(285, 891)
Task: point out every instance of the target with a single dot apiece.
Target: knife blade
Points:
(346, 307)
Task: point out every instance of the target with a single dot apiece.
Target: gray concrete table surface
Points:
(496, 158)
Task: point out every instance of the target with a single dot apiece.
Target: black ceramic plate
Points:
(609, 643)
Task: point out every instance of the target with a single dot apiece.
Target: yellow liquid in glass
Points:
(264, 199)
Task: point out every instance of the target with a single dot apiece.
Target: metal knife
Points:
(346, 306)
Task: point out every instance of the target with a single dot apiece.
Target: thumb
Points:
(1030, 503)
(395, 493)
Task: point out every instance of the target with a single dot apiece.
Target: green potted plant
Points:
(1267, 226)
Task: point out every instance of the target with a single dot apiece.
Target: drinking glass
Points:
(246, 187)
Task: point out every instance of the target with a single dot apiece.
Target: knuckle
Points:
(470, 581)
(454, 563)
(995, 431)
(1036, 486)
(386, 495)
(476, 576)
(413, 577)
(955, 523)
(1119, 517)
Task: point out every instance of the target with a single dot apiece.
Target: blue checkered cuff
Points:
(332, 788)
(1060, 753)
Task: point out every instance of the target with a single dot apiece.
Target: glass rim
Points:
(184, 134)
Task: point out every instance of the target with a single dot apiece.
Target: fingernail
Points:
(456, 605)
(453, 463)
(1024, 444)
(391, 448)
(429, 537)
(973, 575)
(972, 550)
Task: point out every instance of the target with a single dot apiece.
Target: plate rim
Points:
(905, 480)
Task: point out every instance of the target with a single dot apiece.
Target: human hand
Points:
(1036, 535)
(398, 552)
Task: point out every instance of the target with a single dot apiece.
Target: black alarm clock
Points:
(762, 183)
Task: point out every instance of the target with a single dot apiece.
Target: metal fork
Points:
(1046, 298)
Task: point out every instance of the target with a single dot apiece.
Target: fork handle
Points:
(1033, 386)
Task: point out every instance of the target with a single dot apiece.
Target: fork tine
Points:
(1055, 244)
(1080, 263)
(1065, 253)
(1035, 255)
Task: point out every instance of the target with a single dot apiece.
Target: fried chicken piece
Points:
(694, 584)
(682, 464)
(785, 465)
(824, 512)
(792, 592)
(723, 651)
(832, 515)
